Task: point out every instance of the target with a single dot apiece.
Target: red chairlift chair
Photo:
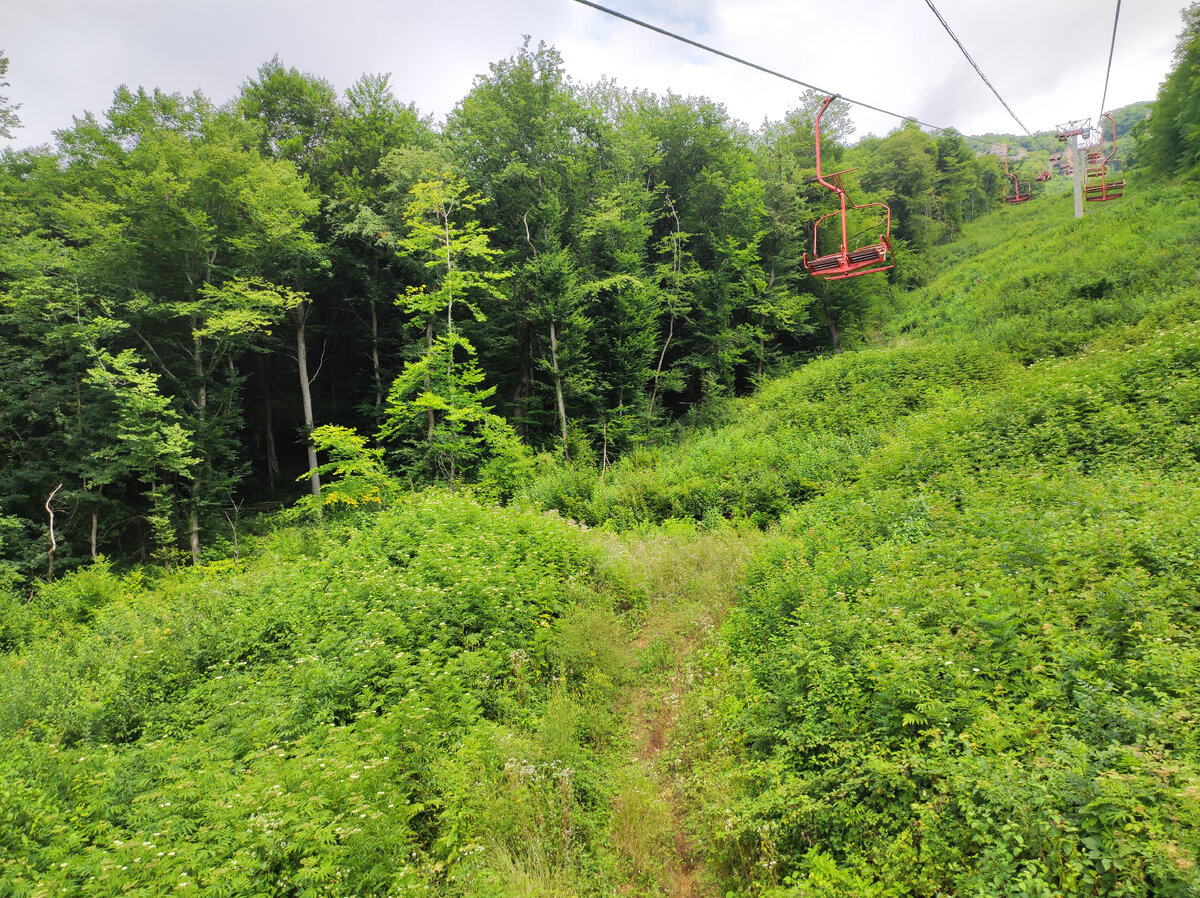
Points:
(846, 262)
(1042, 176)
(1016, 196)
(1099, 189)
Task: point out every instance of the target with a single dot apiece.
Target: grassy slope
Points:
(386, 704)
(1037, 283)
(967, 663)
(423, 700)
(1029, 283)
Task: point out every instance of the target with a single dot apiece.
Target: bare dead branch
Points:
(53, 539)
(528, 236)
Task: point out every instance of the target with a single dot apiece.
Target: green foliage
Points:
(293, 112)
(987, 673)
(242, 306)
(364, 707)
(563, 487)
(1169, 143)
(149, 440)
(461, 431)
(465, 434)
(355, 474)
(447, 238)
(8, 111)
(967, 665)
(1036, 283)
(798, 437)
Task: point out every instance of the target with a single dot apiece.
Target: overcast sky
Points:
(1046, 57)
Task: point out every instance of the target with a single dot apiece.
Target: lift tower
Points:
(1073, 131)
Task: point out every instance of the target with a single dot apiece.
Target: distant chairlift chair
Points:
(1017, 196)
(1099, 187)
(846, 262)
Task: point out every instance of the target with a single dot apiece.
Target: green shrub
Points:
(969, 665)
(797, 438)
(303, 720)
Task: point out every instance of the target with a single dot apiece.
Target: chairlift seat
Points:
(1102, 193)
(876, 253)
(839, 265)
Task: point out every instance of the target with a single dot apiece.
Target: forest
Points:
(500, 509)
(191, 291)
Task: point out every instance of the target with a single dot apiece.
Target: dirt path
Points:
(689, 581)
(651, 716)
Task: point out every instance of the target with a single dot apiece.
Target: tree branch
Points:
(154, 352)
(528, 237)
(321, 363)
(53, 540)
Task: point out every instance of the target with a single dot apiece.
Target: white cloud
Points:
(1047, 57)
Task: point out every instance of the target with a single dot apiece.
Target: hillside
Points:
(965, 663)
(960, 658)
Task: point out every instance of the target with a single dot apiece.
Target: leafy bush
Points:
(970, 666)
(984, 683)
(798, 437)
(317, 718)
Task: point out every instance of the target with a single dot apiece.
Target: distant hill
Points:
(1125, 116)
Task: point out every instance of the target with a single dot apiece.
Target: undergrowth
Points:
(962, 657)
(383, 704)
(965, 662)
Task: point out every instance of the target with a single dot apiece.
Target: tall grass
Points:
(965, 662)
(373, 706)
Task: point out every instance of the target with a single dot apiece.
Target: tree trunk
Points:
(604, 451)
(301, 314)
(201, 417)
(269, 434)
(95, 529)
(831, 319)
(53, 540)
(558, 390)
(431, 419)
(375, 357)
(677, 270)
(194, 519)
(658, 370)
